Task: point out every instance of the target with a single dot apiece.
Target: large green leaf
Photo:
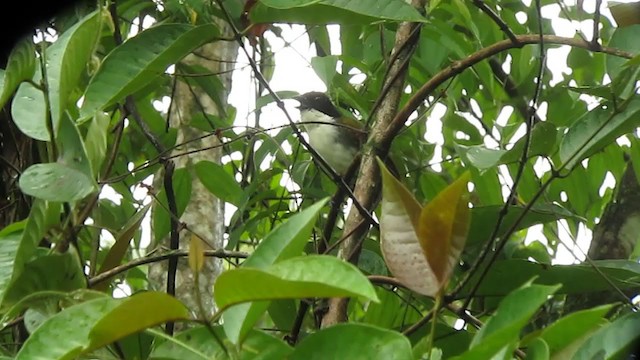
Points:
(29, 110)
(20, 66)
(67, 59)
(506, 275)
(615, 341)
(141, 59)
(38, 276)
(68, 179)
(285, 241)
(484, 220)
(299, 277)
(625, 39)
(596, 129)
(502, 330)
(9, 242)
(571, 329)
(333, 11)
(96, 140)
(353, 341)
(134, 314)
(66, 334)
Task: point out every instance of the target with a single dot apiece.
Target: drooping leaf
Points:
(285, 241)
(141, 59)
(353, 341)
(96, 140)
(67, 59)
(196, 253)
(299, 277)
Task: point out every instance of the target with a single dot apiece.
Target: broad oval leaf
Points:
(56, 182)
(354, 341)
(29, 112)
(141, 59)
(299, 277)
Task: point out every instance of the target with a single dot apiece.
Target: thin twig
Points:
(496, 19)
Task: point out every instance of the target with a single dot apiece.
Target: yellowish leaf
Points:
(625, 14)
(444, 224)
(196, 253)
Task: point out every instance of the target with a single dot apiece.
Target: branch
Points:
(459, 66)
(151, 259)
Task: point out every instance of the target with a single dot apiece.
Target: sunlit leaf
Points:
(196, 253)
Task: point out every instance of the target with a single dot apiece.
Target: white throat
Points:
(325, 140)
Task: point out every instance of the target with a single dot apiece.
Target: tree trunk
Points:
(204, 213)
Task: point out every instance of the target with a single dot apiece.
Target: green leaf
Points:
(353, 341)
(624, 39)
(219, 182)
(21, 66)
(333, 11)
(479, 156)
(56, 182)
(66, 334)
(596, 129)
(38, 276)
(29, 111)
(571, 328)
(285, 241)
(134, 314)
(502, 329)
(506, 275)
(96, 141)
(9, 243)
(325, 68)
(616, 341)
(67, 59)
(141, 59)
(198, 343)
(299, 277)
(484, 219)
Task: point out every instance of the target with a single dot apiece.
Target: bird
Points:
(335, 137)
